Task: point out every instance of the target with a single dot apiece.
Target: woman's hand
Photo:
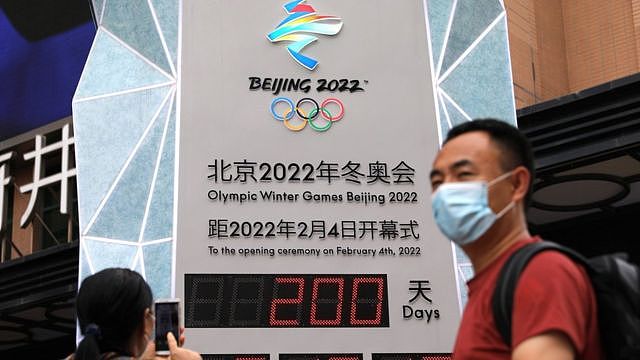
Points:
(150, 351)
(178, 353)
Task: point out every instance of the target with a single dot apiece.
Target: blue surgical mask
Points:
(462, 212)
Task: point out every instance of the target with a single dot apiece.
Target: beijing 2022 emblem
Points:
(303, 21)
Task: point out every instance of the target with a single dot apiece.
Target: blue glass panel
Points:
(132, 22)
(157, 268)
(439, 12)
(121, 217)
(444, 125)
(97, 8)
(105, 254)
(167, 14)
(464, 296)
(85, 269)
(137, 267)
(466, 272)
(110, 68)
(471, 18)
(455, 116)
(160, 219)
(481, 84)
(461, 258)
(106, 131)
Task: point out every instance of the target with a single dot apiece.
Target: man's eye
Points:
(465, 174)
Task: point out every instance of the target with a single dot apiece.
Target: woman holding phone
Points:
(114, 308)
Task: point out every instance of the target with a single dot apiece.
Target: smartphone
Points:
(167, 313)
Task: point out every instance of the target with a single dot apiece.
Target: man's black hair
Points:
(515, 147)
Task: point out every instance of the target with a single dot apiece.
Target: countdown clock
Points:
(336, 255)
(268, 300)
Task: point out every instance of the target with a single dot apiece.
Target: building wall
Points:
(523, 48)
(23, 239)
(45, 224)
(561, 47)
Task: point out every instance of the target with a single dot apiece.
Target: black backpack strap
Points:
(502, 302)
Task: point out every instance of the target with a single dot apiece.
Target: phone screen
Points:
(166, 320)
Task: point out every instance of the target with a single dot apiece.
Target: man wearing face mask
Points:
(481, 182)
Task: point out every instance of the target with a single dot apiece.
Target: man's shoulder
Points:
(552, 271)
(554, 293)
(554, 262)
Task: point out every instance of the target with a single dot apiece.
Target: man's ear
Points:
(521, 178)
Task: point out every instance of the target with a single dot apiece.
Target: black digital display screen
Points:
(320, 357)
(396, 356)
(291, 300)
(235, 356)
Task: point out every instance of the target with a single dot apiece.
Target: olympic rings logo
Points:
(308, 111)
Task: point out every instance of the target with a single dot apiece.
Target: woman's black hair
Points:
(111, 306)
